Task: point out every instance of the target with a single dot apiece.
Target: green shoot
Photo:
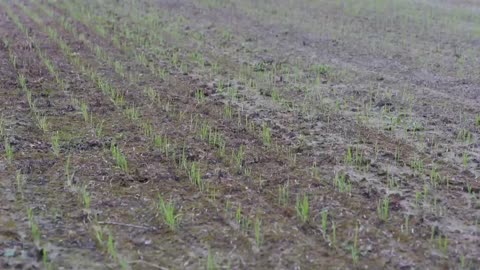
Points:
(324, 221)
(111, 249)
(465, 159)
(68, 173)
(56, 144)
(258, 233)
(119, 157)
(2, 126)
(84, 109)
(86, 198)
(266, 135)
(355, 251)
(211, 262)
(303, 208)
(167, 210)
(383, 208)
(99, 129)
(8, 151)
(334, 234)
(283, 195)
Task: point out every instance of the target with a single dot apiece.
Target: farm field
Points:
(239, 134)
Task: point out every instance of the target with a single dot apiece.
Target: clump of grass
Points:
(342, 183)
(168, 212)
(303, 208)
(195, 176)
(283, 194)
(41, 122)
(119, 157)
(85, 113)
(383, 208)
(22, 81)
(200, 96)
(238, 157)
(241, 220)
(99, 129)
(477, 120)
(132, 113)
(465, 136)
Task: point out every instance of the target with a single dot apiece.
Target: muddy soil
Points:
(280, 134)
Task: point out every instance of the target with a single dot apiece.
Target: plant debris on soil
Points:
(228, 134)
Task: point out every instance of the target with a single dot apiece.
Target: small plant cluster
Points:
(247, 224)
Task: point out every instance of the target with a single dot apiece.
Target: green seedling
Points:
(31, 103)
(8, 151)
(147, 130)
(417, 166)
(42, 123)
(200, 96)
(303, 208)
(465, 159)
(195, 176)
(434, 176)
(111, 249)
(355, 250)
(324, 222)
(211, 262)
(119, 157)
(465, 135)
(383, 208)
(2, 126)
(86, 198)
(69, 174)
(84, 109)
(257, 231)
(342, 183)
(132, 113)
(477, 120)
(283, 195)
(56, 144)
(168, 212)
(238, 157)
(46, 264)
(151, 94)
(334, 234)
(22, 81)
(442, 243)
(20, 181)
(99, 129)
(99, 236)
(266, 135)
